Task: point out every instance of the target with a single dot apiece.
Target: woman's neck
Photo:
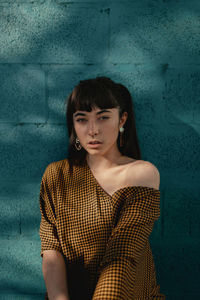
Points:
(98, 162)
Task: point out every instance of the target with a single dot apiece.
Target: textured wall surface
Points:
(152, 47)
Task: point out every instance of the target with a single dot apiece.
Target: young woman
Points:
(98, 206)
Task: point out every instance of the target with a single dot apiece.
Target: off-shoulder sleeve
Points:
(48, 231)
(126, 245)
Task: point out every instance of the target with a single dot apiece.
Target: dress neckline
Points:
(130, 187)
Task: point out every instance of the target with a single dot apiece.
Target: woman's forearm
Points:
(55, 277)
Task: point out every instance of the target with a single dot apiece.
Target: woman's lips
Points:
(94, 144)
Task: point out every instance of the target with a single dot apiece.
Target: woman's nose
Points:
(93, 129)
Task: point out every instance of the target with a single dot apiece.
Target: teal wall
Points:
(152, 47)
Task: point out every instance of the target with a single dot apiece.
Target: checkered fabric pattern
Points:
(103, 238)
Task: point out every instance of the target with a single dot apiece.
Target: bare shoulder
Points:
(144, 173)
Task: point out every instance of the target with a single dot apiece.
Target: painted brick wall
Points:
(152, 47)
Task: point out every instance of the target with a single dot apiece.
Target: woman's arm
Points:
(125, 247)
(53, 263)
(55, 277)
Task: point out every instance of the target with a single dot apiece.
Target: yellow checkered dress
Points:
(103, 238)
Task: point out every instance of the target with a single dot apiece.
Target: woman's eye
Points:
(104, 117)
(81, 120)
(84, 120)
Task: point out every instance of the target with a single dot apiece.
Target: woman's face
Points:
(98, 130)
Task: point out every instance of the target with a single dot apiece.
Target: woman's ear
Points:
(123, 119)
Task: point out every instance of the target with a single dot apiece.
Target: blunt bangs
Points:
(90, 94)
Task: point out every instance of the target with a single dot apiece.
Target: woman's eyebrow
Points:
(98, 113)
(102, 111)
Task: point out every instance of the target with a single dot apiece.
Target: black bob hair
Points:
(104, 93)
